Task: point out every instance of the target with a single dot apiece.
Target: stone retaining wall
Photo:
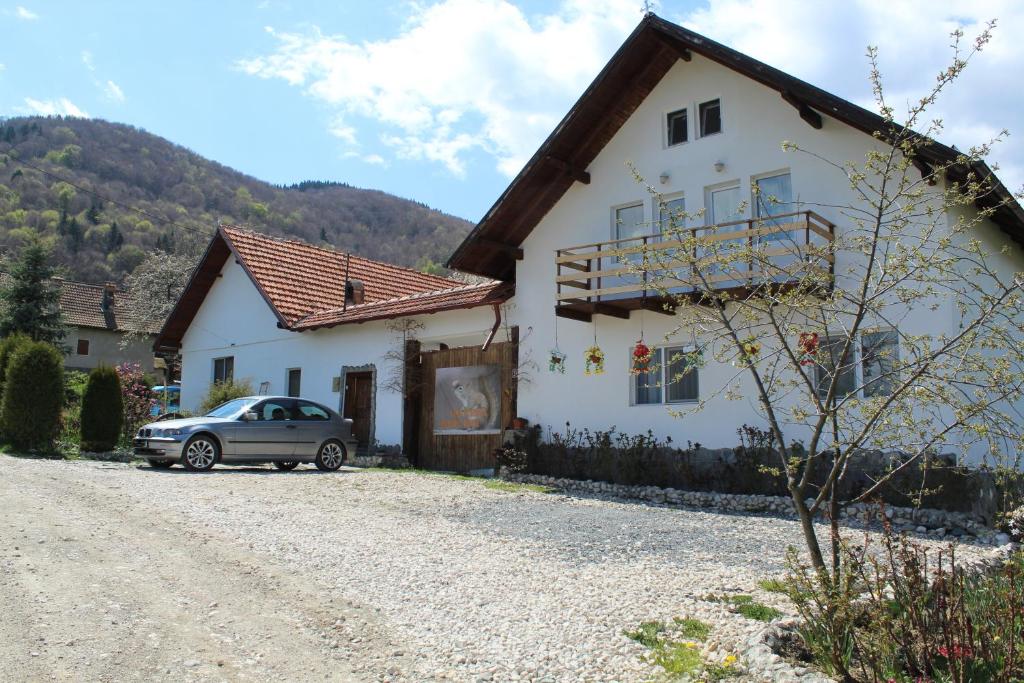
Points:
(933, 523)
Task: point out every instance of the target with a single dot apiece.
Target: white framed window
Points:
(224, 369)
(677, 127)
(671, 378)
(773, 196)
(294, 382)
(709, 117)
(671, 212)
(628, 221)
(868, 369)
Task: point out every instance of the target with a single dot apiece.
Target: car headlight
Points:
(168, 432)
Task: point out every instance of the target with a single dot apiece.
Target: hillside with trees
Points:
(155, 195)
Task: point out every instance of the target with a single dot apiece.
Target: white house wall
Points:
(234, 320)
(755, 122)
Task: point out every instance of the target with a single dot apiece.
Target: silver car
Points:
(255, 429)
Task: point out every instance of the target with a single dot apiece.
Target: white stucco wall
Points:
(234, 320)
(755, 122)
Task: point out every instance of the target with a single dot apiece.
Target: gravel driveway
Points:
(118, 572)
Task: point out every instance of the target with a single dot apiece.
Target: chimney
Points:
(108, 296)
(355, 293)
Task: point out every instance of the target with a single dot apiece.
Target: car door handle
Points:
(290, 426)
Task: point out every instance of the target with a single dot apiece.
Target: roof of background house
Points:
(304, 285)
(82, 305)
(653, 48)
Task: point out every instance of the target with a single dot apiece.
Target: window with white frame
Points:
(223, 369)
(773, 196)
(867, 369)
(671, 378)
(709, 115)
(676, 127)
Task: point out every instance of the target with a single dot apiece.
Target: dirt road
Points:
(94, 587)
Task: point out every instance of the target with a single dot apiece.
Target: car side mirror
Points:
(251, 416)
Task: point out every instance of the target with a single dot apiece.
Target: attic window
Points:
(710, 114)
(676, 127)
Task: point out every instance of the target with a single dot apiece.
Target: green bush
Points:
(34, 396)
(8, 345)
(222, 392)
(102, 410)
(910, 613)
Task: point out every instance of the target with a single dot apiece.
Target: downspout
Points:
(494, 328)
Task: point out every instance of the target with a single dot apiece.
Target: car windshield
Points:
(230, 408)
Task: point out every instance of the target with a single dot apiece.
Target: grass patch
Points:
(774, 586)
(647, 634)
(694, 629)
(513, 487)
(678, 658)
(747, 606)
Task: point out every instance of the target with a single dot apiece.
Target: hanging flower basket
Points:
(594, 358)
(556, 361)
(751, 349)
(641, 358)
(808, 345)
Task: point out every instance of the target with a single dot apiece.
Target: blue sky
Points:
(443, 101)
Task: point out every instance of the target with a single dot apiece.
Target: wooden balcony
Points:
(652, 271)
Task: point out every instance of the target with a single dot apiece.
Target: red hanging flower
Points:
(808, 345)
(641, 358)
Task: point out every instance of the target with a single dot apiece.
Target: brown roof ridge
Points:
(293, 241)
(464, 287)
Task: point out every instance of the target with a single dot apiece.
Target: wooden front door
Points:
(358, 404)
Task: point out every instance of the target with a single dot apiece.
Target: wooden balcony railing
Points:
(617, 276)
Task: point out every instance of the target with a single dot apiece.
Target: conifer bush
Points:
(33, 396)
(8, 345)
(102, 410)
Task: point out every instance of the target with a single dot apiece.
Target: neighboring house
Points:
(704, 121)
(95, 323)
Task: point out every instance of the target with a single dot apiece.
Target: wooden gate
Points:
(448, 451)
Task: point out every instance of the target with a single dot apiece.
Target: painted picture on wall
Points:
(467, 400)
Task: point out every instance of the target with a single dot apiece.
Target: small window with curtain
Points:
(676, 126)
(294, 381)
(224, 369)
(710, 115)
(671, 378)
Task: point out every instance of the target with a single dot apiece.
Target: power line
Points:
(159, 219)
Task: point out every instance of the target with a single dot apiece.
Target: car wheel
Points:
(200, 454)
(161, 464)
(330, 456)
(285, 465)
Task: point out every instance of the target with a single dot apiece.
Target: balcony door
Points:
(774, 197)
(723, 206)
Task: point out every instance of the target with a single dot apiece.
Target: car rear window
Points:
(311, 411)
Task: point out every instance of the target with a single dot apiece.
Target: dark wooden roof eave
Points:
(512, 217)
(168, 340)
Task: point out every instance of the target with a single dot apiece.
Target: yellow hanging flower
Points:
(594, 358)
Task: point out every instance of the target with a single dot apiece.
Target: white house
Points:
(701, 121)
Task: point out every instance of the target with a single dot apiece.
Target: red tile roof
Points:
(81, 304)
(299, 279)
(465, 296)
(305, 285)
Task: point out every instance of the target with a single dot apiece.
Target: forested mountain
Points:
(43, 159)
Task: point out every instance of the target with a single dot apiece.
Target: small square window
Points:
(677, 128)
(83, 347)
(224, 369)
(710, 114)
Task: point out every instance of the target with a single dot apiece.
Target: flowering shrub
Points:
(906, 614)
(136, 396)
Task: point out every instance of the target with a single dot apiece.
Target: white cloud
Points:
(26, 14)
(461, 75)
(375, 160)
(483, 75)
(62, 107)
(3, 67)
(113, 91)
(88, 61)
